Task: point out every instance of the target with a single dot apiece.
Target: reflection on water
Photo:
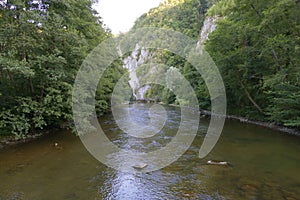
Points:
(264, 165)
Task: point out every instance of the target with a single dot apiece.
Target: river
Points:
(264, 164)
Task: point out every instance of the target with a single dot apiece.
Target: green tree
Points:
(43, 44)
(256, 47)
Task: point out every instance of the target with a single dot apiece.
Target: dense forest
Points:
(43, 44)
(256, 47)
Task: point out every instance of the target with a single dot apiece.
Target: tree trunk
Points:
(251, 99)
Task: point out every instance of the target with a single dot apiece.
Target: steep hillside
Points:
(184, 16)
(255, 45)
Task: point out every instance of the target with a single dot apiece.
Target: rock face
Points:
(139, 56)
(209, 25)
(142, 91)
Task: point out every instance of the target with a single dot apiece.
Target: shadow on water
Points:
(264, 165)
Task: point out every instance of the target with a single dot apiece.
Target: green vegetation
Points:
(180, 15)
(256, 46)
(185, 16)
(222, 8)
(43, 44)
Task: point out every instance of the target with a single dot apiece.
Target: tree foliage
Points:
(180, 15)
(184, 16)
(256, 47)
(43, 44)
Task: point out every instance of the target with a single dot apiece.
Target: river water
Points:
(264, 164)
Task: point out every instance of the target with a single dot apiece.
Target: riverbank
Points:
(270, 125)
(10, 140)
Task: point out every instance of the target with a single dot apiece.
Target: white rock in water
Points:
(140, 166)
(217, 163)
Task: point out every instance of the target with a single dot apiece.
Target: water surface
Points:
(264, 165)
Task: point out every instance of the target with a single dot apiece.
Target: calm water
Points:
(264, 165)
